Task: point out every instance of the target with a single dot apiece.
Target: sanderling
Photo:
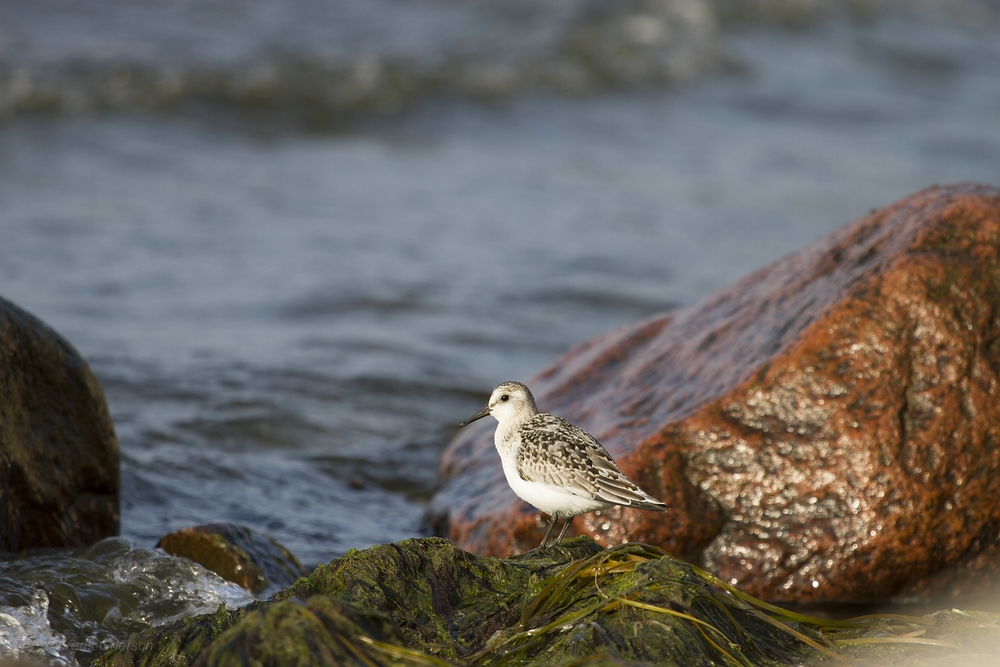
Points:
(555, 466)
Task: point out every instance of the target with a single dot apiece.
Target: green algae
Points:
(426, 602)
(319, 630)
(177, 643)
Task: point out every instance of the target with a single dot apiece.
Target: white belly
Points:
(550, 499)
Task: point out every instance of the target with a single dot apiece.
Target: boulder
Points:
(825, 429)
(426, 602)
(236, 553)
(59, 477)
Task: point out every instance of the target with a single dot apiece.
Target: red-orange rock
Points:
(826, 428)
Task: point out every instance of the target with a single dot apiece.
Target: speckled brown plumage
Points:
(554, 451)
(552, 464)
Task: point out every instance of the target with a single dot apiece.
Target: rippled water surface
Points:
(290, 325)
(288, 328)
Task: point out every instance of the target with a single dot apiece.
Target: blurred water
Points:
(322, 60)
(289, 326)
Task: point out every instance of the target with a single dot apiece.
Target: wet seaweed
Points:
(426, 602)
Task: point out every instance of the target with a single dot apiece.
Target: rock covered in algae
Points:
(427, 602)
(824, 429)
(236, 553)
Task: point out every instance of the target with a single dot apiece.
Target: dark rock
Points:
(59, 478)
(827, 428)
(236, 553)
(426, 602)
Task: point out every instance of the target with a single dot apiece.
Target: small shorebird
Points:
(555, 466)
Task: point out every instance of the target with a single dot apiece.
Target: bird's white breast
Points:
(552, 500)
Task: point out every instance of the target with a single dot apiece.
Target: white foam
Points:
(25, 632)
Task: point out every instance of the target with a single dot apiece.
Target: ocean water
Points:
(292, 298)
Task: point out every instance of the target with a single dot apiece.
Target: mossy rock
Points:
(317, 631)
(427, 602)
(236, 553)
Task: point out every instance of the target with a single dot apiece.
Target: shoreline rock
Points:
(426, 602)
(236, 553)
(825, 429)
(59, 459)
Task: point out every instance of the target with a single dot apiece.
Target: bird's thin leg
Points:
(552, 524)
(562, 533)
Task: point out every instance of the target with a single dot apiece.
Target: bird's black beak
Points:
(479, 415)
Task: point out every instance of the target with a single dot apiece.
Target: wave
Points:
(575, 48)
(64, 607)
(326, 62)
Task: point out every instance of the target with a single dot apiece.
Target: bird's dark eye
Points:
(505, 397)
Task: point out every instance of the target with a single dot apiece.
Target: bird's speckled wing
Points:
(555, 452)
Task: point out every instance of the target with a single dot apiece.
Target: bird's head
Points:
(511, 401)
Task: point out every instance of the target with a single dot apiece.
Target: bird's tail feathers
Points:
(651, 503)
